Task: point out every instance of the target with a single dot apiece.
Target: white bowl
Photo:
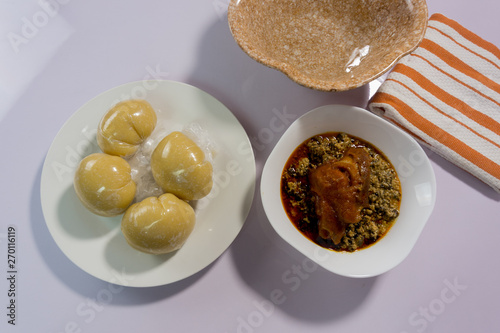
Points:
(412, 165)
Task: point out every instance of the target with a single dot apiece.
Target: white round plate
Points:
(96, 244)
(415, 172)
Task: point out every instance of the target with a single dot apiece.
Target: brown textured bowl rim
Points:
(304, 80)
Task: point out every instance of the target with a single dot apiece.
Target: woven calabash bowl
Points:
(330, 45)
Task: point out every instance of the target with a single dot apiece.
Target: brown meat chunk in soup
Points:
(341, 190)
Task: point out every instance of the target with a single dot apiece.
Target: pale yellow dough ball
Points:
(125, 126)
(179, 167)
(158, 225)
(104, 185)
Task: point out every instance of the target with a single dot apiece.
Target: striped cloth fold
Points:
(447, 95)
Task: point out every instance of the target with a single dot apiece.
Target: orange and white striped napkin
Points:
(447, 95)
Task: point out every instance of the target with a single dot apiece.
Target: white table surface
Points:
(78, 49)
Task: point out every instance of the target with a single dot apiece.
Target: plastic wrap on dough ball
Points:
(125, 126)
(158, 225)
(179, 167)
(104, 185)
